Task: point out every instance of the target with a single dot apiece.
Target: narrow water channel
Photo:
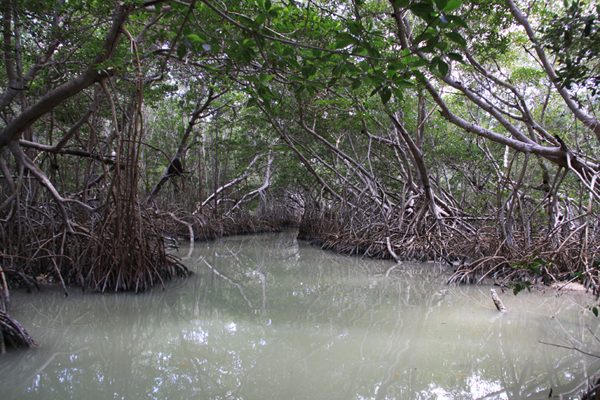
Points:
(268, 317)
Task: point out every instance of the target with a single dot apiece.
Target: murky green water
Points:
(267, 317)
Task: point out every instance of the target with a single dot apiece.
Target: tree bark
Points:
(90, 76)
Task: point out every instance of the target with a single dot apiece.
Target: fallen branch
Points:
(497, 302)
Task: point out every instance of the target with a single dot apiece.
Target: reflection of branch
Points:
(230, 281)
(571, 348)
(42, 367)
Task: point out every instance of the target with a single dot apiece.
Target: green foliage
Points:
(572, 34)
(340, 62)
(535, 265)
(520, 286)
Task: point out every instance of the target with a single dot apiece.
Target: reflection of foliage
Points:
(334, 321)
(572, 35)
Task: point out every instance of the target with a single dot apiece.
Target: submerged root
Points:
(12, 334)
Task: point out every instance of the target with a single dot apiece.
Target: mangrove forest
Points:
(461, 132)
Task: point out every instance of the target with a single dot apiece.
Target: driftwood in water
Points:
(12, 334)
(497, 302)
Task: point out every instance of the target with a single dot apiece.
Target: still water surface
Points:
(269, 317)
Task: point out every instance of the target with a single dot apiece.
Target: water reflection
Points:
(268, 317)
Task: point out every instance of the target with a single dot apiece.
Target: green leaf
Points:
(441, 4)
(361, 51)
(354, 70)
(337, 70)
(456, 38)
(398, 93)
(418, 63)
(267, 4)
(376, 79)
(372, 51)
(193, 38)
(265, 77)
(517, 288)
(288, 51)
(401, 83)
(456, 20)
(534, 269)
(340, 44)
(401, 3)
(595, 311)
(442, 46)
(422, 37)
(252, 102)
(181, 50)
(538, 261)
(244, 20)
(425, 11)
(456, 57)
(356, 84)
(443, 68)
(354, 28)
(261, 19)
(421, 8)
(377, 89)
(385, 94)
(520, 286)
(453, 5)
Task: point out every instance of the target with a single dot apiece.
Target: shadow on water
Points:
(267, 317)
